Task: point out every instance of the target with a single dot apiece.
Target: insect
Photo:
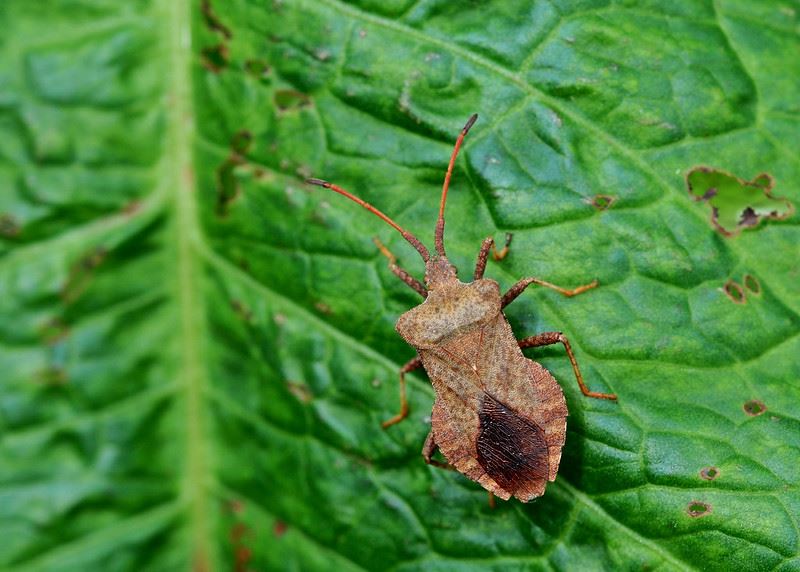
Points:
(499, 418)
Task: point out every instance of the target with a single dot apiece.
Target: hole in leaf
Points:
(735, 203)
(754, 407)
(696, 509)
(709, 473)
(735, 292)
(752, 284)
(602, 202)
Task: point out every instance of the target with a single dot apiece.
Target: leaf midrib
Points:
(179, 164)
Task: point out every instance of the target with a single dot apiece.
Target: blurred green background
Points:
(197, 349)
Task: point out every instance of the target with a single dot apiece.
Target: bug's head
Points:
(439, 271)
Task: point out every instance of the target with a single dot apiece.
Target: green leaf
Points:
(198, 349)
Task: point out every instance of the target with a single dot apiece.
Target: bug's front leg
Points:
(520, 286)
(412, 364)
(483, 254)
(549, 338)
(403, 275)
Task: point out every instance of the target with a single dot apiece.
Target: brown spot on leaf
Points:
(323, 308)
(709, 473)
(290, 100)
(212, 20)
(242, 311)
(132, 208)
(602, 202)
(736, 204)
(697, 509)
(81, 273)
(752, 284)
(243, 557)
(735, 292)
(300, 391)
(754, 407)
(279, 529)
(227, 183)
(258, 69)
(9, 226)
(215, 58)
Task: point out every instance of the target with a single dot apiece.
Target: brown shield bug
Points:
(499, 418)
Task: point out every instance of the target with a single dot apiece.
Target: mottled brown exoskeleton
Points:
(499, 418)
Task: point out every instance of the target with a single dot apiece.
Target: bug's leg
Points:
(428, 449)
(418, 287)
(492, 503)
(410, 366)
(520, 286)
(483, 255)
(549, 338)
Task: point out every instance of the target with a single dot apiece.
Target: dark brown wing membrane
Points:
(511, 449)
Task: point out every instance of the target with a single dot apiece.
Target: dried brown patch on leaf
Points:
(279, 528)
(300, 391)
(228, 188)
(81, 273)
(736, 204)
(754, 407)
(215, 58)
(213, 21)
(697, 509)
(9, 226)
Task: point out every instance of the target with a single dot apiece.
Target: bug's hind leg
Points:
(549, 338)
(403, 275)
(520, 286)
(411, 365)
(428, 449)
(483, 255)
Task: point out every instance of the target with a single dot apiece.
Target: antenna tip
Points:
(470, 122)
(319, 183)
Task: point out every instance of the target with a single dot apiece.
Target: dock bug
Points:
(499, 418)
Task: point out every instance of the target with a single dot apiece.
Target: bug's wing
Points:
(499, 418)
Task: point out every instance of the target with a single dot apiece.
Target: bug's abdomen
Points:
(512, 450)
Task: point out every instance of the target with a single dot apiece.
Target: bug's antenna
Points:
(439, 237)
(413, 240)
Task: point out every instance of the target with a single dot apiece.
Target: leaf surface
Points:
(198, 348)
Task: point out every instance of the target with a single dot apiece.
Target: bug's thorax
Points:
(452, 307)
